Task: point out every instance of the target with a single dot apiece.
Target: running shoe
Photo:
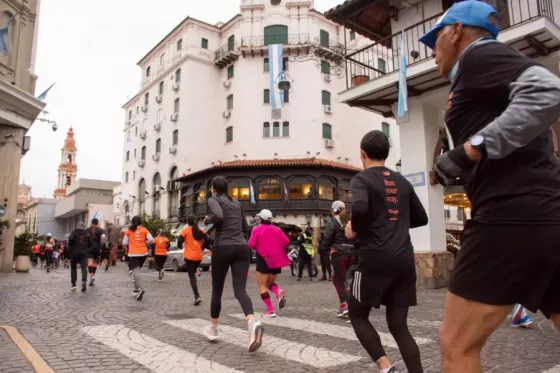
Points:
(281, 299)
(199, 272)
(140, 294)
(255, 335)
(343, 312)
(48, 269)
(520, 318)
(73, 287)
(299, 279)
(269, 314)
(84, 287)
(211, 332)
(135, 292)
(92, 281)
(162, 273)
(130, 273)
(197, 301)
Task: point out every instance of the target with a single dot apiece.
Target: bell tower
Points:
(68, 170)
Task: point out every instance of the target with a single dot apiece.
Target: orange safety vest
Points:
(160, 245)
(137, 245)
(193, 248)
(36, 249)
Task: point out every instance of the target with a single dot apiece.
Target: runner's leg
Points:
(221, 260)
(83, 267)
(191, 270)
(239, 268)
(262, 282)
(73, 272)
(339, 281)
(398, 326)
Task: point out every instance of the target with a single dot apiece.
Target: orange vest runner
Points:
(36, 249)
(137, 245)
(160, 245)
(193, 248)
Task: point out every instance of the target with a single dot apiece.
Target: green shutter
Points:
(230, 72)
(385, 129)
(276, 129)
(326, 97)
(327, 131)
(324, 38)
(266, 96)
(381, 65)
(325, 67)
(286, 129)
(276, 34)
(204, 43)
(231, 42)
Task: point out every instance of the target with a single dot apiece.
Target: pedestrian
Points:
(325, 256)
(342, 253)
(230, 251)
(193, 239)
(161, 246)
(306, 253)
(98, 239)
(55, 255)
(501, 107)
(114, 255)
(36, 250)
(384, 208)
(48, 247)
(105, 254)
(270, 243)
(79, 245)
(136, 239)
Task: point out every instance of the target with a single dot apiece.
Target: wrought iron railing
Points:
(263, 40)
(224, 50)
(382, 57)
(334, 46)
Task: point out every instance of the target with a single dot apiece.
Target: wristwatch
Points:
(477, 142)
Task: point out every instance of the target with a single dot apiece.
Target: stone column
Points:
(11, 140)
(419, 133)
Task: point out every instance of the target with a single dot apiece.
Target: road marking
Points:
(298, 352)
(39, 365)
(155, 355)
(331, 330)
(555, 369)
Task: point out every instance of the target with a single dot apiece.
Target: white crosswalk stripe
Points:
(331, 330)
(555, 369)
(294, 351)
(155, 355)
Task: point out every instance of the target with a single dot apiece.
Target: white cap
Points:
(49, 235)
(265, 214)
(338, 205)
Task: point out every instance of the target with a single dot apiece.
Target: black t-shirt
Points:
(524, 186)
(384, 208)
(96, 233)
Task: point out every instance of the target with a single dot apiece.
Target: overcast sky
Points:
(90, 51)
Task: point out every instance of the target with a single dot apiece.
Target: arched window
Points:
(178, 76)
(143, 154)
(127, 156)
(148, 71)
(158, 146)
(162, 59)
(142, 195)
(327, 131)
(326, 189)
(69, 159)
(269, 188)
(156, 194)
(176, 105)
(160, 116)
(239, 189)
(144, 125)
(68, 180)
(325, 97)
(300, 188)
(157, 181)
(160, 88)
(147, 98)
(276, 34)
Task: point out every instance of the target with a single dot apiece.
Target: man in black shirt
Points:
(500, 110)
(79, 244)
(384, 208)
(98, 240)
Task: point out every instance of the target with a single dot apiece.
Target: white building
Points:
(204, 102)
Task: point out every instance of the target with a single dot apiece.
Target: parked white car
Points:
(175, 260)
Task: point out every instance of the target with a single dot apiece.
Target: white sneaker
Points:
(211, 332)
(255, 335)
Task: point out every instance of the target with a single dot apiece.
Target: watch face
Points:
(476, 140)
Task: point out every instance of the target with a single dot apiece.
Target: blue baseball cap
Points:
(472, 13)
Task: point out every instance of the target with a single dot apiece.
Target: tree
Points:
(152, 224)
(23, 243)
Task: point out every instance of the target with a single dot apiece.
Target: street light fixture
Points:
(398, 165)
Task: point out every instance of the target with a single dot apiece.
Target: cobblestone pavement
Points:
(107, 330)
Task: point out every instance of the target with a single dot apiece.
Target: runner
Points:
(325, 255)
(193, 238)
(161, 246)
(270, 243)
(342, 253)
(500, 111)
(79, 245)
(36, 249)
(230, 251)
(48, 247)
(105, 254)
(55, 255)
(384, 208)
(137, 238)
(98, 239)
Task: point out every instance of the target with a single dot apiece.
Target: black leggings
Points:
(160, 261)
(82, 261)
(191, 266)
(305, 261)
(397, 323)
(326, 264)
(237, 257)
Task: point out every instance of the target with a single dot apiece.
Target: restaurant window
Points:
(200, 195)
(188, 197)
(300, 188)
(239, 189)
(276, 129)
(266, 129)
(326, 189)
(344, 192)
(269, 189)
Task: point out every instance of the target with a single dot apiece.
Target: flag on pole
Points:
(275, 64)
(43, 96)
(5, 38)
(403, 89)
(286, 194)
(252, 190)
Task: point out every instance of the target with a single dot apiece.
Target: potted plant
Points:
(22, 252)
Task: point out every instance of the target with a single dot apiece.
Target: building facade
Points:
(68, 169)
(18, 107)
(41, 218)
(205, 101)
(24, 199)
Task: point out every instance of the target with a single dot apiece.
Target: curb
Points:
(32, 356)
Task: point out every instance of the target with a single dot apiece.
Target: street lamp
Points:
(398, 166)
(48, 121)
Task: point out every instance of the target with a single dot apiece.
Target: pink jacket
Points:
(270, 241)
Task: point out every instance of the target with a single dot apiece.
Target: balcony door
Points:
(501, 7)
(276, 34)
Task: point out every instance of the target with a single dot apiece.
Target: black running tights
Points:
(397, 323)
(237, 257)
(192, 266)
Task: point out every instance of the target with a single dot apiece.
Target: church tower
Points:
(68, 170)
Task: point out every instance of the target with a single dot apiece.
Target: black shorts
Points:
(137, 261)
(105, 255)
(263, 268)
(505, 264)
(382, 279)
(191, 265)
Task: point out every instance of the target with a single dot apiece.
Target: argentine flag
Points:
(5, 38)
(275, 60)
(252, 190)
(403, 89)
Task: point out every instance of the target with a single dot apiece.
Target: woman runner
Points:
(230, 251)
(137, 238)
(270, 243)
(161, 245)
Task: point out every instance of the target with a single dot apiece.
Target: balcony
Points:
(226, 54)
(527, 25)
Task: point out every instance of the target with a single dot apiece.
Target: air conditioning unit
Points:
(141, 163)
(155, 157)
(329, 143)
(144, 108)
(157, 188)
(159, 98)
(227, 84)
(175, 86)
(173, 149)
(172, 186)
(328, 109)
(227, 114)
(327, 78)
(143, 134)
(174, 117)
(157, 126)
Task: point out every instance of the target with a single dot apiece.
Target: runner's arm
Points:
(418, 216)
(534, 106)
(125, 241)
(149, 238)
(216, 212)
(360, 205)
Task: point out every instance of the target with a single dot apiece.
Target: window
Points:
(128, 136)
(173, 196)
(269, 189)
(204, 43)
(275, 2)
(127, 156)
(129, 114)
(158, 146)
(143, 153)
(133, 175)
(266, 67)
(142, 195)
(352, 35)
(160, 91)
(286, 95)
(134, 153)
(325, 67)
(326, 189)
(135, 131)
(286, 129)
(300, 188)
(327, 131)
(230, 72)
(176, 105)
(175, 137)
(324, 38)
(231, 42)
(146, 98)
(276, 129)
(162, 59)
(275, 34)
(266, 129)
(230, 102)
(178, 76)
(179, 44)
(326, 97)
(267, 96)
(137, 109)
(285, 63)
(160, 116)
(229, 134)
(239, 189)
(148, 71)
(145, 125)
(126, 177)
(381, 65)
(385, 128)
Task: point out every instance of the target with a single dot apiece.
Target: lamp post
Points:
(398, 166)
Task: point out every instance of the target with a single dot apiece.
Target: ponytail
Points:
(196, 232)
(344, 217)
(136, 221)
